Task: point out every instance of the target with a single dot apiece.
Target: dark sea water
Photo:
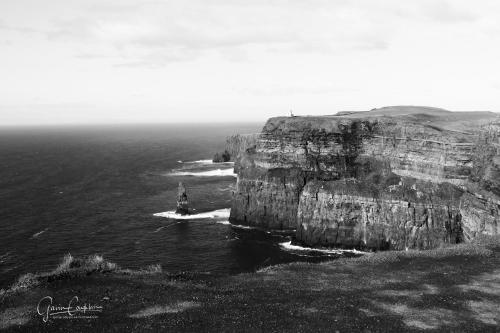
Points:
(86, 190)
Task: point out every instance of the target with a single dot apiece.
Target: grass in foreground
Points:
(70, 268)
(450, 289)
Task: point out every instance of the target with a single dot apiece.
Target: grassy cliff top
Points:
(443, 119)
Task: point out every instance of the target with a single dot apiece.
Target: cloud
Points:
(445, 11)
(91, 56)
(23, 30)
(156, 33)
(162, 32)
(295, 88)
(72, 29)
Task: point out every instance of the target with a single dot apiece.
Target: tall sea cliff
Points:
(390, 178)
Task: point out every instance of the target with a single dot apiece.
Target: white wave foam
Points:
(205, 162)
(4, 257)
(166, 226)
(222, 213)
(286, 231)
(35, 235)
(209, 173)
(200, 162)
(289, 246)
(159, 229)
(239, 226)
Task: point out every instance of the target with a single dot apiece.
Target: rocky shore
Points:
(390, 178)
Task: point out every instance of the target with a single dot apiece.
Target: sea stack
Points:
(182, 200)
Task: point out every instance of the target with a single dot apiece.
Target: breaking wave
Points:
(289, 246)
(200, 162)
(159, 229)
(209, 173)
(205, 162)
(35, 235)
(237, 226)
(222, 213)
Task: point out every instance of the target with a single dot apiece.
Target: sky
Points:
(126, 61)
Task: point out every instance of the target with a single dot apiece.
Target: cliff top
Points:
(396, 111)
(441, 119)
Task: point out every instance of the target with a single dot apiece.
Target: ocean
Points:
(111, 190)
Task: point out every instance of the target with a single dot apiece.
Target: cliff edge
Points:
(390, 178)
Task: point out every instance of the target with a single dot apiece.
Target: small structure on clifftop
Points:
(182, 200)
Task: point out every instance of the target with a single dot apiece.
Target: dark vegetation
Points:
(449, 289)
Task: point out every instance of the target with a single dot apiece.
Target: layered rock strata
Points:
(390, 178)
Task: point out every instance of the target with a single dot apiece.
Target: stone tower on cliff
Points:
(182, 200)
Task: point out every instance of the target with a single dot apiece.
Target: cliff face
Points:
(239, 143)
(391, 178)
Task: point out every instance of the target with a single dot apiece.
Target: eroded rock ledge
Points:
(390, 178)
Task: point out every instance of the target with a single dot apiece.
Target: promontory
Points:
(390, 178)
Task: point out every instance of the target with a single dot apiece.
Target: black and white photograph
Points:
(250, 166)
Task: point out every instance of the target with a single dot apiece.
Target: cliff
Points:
(235, 145)
(239, 143)
(389, 178)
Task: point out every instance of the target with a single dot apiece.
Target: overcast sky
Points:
(70, 61)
